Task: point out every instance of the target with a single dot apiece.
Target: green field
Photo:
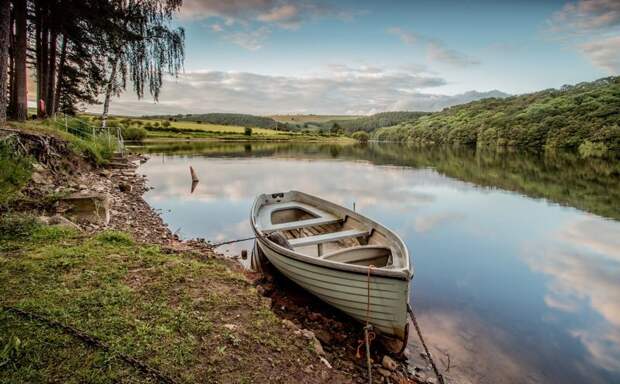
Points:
(311, 118)
(205, 127)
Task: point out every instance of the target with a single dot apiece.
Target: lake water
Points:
(517, 257)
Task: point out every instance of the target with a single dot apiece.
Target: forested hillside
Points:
(584, 116)
(376, 121)
(239, 119)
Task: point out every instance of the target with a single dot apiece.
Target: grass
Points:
(215, 128)
(97, 149)
(311, 118)
(167, 310)
(15, 171)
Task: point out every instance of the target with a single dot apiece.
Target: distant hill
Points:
(238, 119)
(378, 120)
(311, 118)
(570, 117)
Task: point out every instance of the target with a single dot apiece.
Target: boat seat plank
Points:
(327, 237)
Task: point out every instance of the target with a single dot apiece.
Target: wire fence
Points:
(89, 131)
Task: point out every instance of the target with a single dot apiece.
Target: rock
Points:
(307, 334)
(38, 167)
(86, 207)
(124, 187)
(384, 372)
(431, 380)
(324, 336)
(389, 363)
(43, 220)
(260, 290)
(289, 324)
(318, 348)
(61, 221)
(230, 327)
(38, 178)
(327, 364)
(82, 187)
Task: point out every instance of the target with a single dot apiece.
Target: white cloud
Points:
(429, 222)
(339, 90)
(604, 53)
(436, 49)
(586, 16)
(591, 27)
(251, 40)
(584, 268)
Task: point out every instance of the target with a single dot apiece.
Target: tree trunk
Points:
(61, 69)
(42, 59)
(5, 16)
(51, 76)
(108, 93)
(10, 111)
(21, 87)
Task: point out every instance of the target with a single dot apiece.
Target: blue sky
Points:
(285, 56)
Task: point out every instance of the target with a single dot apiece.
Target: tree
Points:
(19, 87)
(143, 48)
(5, 16)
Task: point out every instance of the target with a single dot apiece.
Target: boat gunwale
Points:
(405, 273)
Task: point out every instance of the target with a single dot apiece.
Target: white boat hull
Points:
(348, 291)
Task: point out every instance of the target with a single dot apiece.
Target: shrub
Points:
(134, 133)
(361, 136)
(165, 123)
(590, 149)
(15, 171)
(247, 131)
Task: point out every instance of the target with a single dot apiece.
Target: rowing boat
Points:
(345, 259)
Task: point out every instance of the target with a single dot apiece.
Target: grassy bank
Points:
(196, 320)
(585, 116)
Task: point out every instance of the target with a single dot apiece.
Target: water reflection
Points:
(512, 287)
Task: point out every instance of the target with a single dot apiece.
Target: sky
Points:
(362, 57)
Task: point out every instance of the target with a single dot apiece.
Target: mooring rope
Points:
(215, 245)
(430, 358)
(369, 335)
(94, 341)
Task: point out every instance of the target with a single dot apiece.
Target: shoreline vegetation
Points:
(584, 117)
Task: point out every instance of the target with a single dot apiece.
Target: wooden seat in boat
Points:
(327, 237)
(376, 255)
(312, 216)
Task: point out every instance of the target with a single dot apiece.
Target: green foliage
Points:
(15, 171)
(565, 118)
(165, 123)
(247, 131)
(115, 238)
(590, 149)
(98, 149)
(17, 227)
(361, 136)
(135, 133)
(238, 119)
(376, 121)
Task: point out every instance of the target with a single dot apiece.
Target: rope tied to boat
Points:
(215, 245)
(430, 358)
(369, 335)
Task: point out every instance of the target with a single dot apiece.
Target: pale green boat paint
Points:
(344, 285)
